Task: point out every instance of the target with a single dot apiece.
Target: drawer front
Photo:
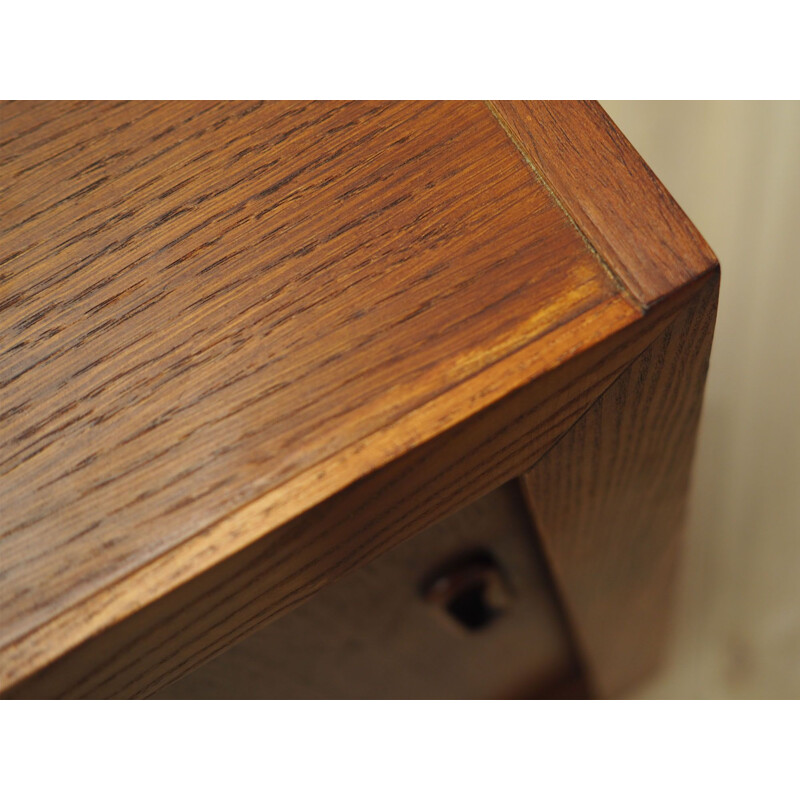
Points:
(463, 610)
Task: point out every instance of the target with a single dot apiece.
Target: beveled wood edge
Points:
(130, 647)
(626, 216)
(157, 644)
(95, 617)
(311, 489)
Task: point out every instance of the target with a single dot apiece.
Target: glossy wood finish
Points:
(249, 347)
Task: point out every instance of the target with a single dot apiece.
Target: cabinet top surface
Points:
(207, 304)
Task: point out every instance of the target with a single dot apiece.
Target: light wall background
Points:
(734, 167)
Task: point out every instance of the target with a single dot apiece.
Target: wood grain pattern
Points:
(246, 348)
(373, 635)
(609, 500)
(206, 305)
(143, 647)
(611, 194)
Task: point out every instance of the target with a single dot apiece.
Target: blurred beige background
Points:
(734, 167)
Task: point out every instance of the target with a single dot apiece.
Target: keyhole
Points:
(469, 592)
(471, 609)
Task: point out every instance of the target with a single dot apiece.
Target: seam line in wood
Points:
(688, 291)
(616, 279)
(653, 334)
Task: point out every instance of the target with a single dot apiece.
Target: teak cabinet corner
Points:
(340, 399)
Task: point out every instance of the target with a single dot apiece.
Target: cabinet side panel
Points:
(609, 498)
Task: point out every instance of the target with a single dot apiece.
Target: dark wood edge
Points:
(620, 207)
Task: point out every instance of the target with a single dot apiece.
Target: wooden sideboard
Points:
(340, 399)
